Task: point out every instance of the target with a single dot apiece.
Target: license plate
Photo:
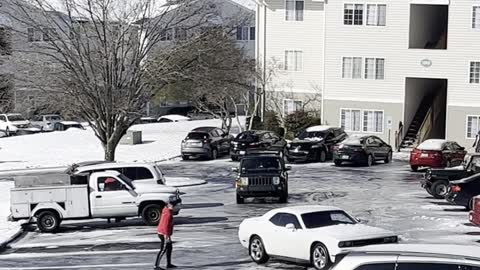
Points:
(345, 157)
(242, 152)
(424, 155)
(195, 144)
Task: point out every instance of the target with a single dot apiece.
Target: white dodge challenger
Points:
(309, 234)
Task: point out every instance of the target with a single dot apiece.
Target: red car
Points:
(475, 213)
(437, 154)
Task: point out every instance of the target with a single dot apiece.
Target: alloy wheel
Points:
(256, 249)
(320, 259)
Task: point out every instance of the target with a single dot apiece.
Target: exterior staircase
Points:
(410, 137)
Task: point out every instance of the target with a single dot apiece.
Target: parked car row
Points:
(16, 124)
(317, 143)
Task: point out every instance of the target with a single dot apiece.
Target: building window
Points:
(34, 35)
(375, 68)
(166, 35)
(180, 33)
(294, 10)
(290, 106)
(379, 68)
(5, 42)
(293, 60)
(252, 33)
(348, 14)
(352, 67)
(474, 72)
(245, 33)
(476, 17)
(376, 14)
(49, 34)
(358, 14)
(373, 121)
(473, 126)
(350, 120)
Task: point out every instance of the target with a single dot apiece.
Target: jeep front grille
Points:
(260, 181)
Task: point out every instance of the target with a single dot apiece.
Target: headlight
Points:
(289, 145)
(345, 244)
(244, 181)
(234, 143)
(276, 180)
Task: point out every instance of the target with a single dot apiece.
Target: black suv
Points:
(260, 140)
(436, 181)
(209, 142)
(315, 144)
(262, 176)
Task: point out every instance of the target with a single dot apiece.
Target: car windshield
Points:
(354, 141)
(326, 218)
(197, 135)
(16, 117)
(127, 181)
(260, 163)
(312, 135)
(53, 118)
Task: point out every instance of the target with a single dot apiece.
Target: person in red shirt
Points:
(165, 231)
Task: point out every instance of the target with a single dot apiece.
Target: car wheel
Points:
(337, 162)
(439, 189)
(414, 168)
(240, 199)
(257, 250)
(429, 190)
(320, 257)
(284, 197)
(322, 156)
(151, 214)
(48, 221)
(370, 161)
(388, 159)
(184, 157)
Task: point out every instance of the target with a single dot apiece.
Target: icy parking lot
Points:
(388, 196)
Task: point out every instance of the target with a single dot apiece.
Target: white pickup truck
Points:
(49, 199)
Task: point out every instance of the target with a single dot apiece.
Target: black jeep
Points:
(436, 181)
(262, 175)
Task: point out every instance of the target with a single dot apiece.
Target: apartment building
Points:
(381, 64)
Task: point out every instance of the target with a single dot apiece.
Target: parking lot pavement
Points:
(386, 195)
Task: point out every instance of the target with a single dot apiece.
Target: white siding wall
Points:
(306, 36)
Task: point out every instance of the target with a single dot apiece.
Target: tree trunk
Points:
(109, 149)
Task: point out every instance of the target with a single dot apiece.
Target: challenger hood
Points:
(347, 232)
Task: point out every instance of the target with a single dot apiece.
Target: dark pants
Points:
(165, 247)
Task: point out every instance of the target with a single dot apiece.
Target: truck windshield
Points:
(260, 163)
(127, 181)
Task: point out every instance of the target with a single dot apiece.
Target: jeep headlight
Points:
(289, 145)
(276, 180)
(244, 181)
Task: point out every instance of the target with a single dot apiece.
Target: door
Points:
(373, 148)
(293, 242)
(225, 141)
(271, 236)
(112, 199)
(279, 236)
(458, 153)
(384, 149)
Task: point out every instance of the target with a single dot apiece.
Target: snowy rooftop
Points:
(318, 128)
(433, 144)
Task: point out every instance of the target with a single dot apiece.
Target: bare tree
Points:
(211, 71)
(102, 47)
(6, 93)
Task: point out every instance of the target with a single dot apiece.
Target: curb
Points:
(4, 245)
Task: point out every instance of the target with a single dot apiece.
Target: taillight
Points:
(456, 188)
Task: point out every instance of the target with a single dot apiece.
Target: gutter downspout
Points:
(322, 120)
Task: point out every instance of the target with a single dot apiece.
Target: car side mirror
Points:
(288, 168)
(290, 227)
(235, 170)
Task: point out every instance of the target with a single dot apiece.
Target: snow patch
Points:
(7, 228)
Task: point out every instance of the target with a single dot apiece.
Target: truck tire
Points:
(151, 214)
(240, 200)
(48, 221)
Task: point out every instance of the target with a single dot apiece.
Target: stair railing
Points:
(426, 127)
(398, 138)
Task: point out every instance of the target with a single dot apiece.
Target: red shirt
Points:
(165, 226)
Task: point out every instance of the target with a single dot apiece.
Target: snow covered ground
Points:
(7, 229)
(161, 141)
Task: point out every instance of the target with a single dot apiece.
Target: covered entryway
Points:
(424, 110)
